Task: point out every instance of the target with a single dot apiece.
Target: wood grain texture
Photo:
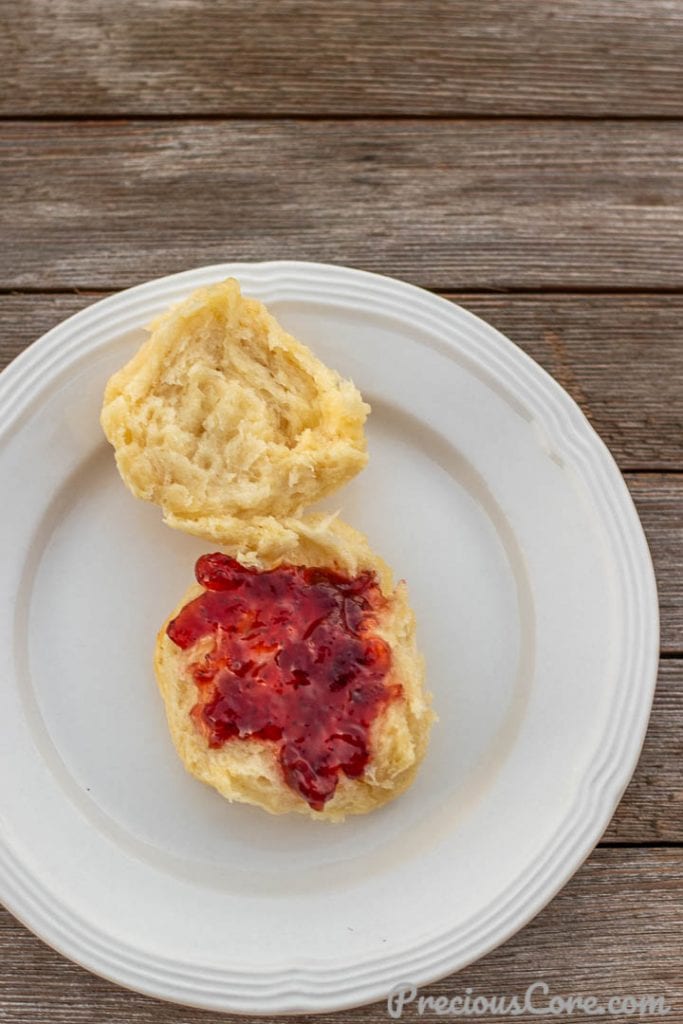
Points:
(446, 204)
(659, 500)
(651, 809)
(614, 930)
(25, 318)
(544, 57)
(619, 356)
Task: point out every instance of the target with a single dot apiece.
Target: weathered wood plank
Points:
(446, 204)
(24, 318)
(651, 809)
(543, 57)
(659, 500)
(620, 358)
(614, 930)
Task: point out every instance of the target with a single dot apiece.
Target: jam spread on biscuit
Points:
(293, 659)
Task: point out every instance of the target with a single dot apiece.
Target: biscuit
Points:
(222, 418)
(249, 769)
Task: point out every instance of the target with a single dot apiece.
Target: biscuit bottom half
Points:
(295, 683)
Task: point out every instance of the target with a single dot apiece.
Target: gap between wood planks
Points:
(444, 291)
(294, 115)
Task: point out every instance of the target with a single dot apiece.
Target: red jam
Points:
(293, 660)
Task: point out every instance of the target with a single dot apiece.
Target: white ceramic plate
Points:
(490, 493)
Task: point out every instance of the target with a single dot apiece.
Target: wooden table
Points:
(524, 157)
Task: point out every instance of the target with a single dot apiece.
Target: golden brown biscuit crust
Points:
(248, 770)
(221, 417)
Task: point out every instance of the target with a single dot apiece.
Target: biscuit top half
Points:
(222, 417)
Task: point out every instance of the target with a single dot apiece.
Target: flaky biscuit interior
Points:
(247, 770)
(222, 417)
